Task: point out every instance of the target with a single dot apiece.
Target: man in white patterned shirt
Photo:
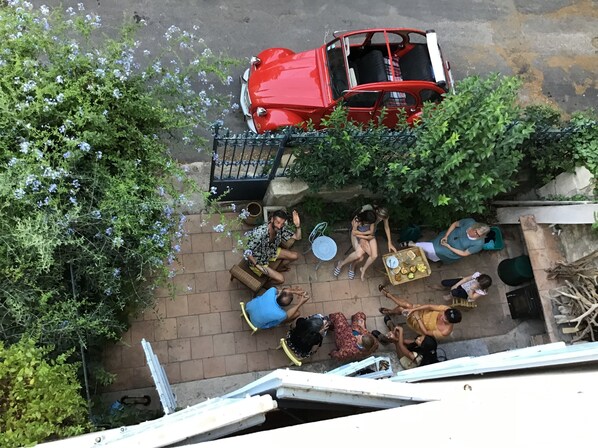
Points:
(263, 245)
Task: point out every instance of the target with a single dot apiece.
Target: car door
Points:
(397, 101)
(362, 105)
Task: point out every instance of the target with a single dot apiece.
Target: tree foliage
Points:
(88, 190)
(39, 398)
(342, 156)
(466, 151)
(561, 146)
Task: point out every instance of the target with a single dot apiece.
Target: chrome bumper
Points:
(245, 102)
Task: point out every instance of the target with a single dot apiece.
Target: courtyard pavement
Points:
(199, 333)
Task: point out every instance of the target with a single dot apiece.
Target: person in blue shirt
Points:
(274, 307)
(463, 238)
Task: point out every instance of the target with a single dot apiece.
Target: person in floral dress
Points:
(353, 342)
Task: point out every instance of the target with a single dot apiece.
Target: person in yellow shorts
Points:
(427, 320)
(263, 245)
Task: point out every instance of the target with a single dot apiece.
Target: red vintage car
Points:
(368, 70)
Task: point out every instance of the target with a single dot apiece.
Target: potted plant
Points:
(255, 211)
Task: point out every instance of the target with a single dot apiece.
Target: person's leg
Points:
(391, 311)
(400, 302)
(287, 256)
(343, 334)
(459, 292)
(275, 277)
(428, 249)
(450, 282)
(370, 259)
(364, 245)
(359, 319)
(353, 257)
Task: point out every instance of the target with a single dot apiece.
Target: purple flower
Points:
(19, 193)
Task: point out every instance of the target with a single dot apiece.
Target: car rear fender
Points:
(276, 119)
(273, 54)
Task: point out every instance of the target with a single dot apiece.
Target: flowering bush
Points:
(88, 192)
(230, 218)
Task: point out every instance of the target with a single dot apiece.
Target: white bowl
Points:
(392, 262)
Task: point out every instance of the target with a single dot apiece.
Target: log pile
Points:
(577, 300)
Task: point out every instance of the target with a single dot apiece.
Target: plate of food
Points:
(392, 262)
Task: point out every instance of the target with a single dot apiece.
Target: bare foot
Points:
(362, 273)
(447, 297)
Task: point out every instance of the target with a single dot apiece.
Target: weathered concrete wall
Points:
(570, 184)
(578, 241)
(284, 191)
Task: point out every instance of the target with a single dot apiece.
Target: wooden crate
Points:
(407, 261)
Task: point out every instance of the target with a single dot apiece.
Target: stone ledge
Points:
(283, 190)
(543, 252)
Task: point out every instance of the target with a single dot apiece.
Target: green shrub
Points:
(560, 146)
(40, 397)
(467, 150)
(340, 158)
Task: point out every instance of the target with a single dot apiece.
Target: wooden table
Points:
(411, 256)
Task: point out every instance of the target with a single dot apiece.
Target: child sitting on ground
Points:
(470, 288)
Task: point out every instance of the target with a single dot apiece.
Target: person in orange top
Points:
(427, 320)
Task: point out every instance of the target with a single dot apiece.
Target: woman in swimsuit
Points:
(363, 226)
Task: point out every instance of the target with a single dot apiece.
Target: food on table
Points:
(411, 275)
(413, 269)
(404, 271)
(411, 254)
(422, 267)
(398, 277)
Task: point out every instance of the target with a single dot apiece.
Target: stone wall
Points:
(570, 184)
(284, 191)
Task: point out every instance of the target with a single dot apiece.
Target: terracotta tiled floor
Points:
(201, 334)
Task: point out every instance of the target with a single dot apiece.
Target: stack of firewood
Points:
(577, 300)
